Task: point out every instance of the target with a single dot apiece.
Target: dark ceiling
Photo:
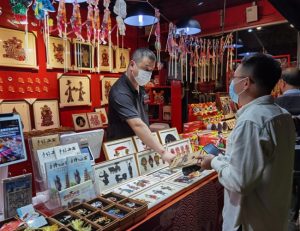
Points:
(178, 9)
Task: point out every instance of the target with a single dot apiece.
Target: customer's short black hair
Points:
(140, 53)
(264, 70)
(292, 76)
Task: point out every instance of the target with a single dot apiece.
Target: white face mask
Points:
(143, 77)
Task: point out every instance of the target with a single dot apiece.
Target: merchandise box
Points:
(99, 203)
(124, 214)
(132, 187)
(104, 220)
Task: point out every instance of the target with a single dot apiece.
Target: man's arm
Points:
(144, 133)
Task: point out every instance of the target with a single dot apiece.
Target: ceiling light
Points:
(258, 28)
(141, 15)
(291, 25)
(200, 3)
(247, 53)
(188, 27)
(250, 30)
(237, 45)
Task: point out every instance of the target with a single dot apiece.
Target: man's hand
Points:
(205, 161)
(168, 156)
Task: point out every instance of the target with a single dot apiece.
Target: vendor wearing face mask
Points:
(127, 114)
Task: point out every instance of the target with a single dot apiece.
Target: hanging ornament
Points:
(157, 37)
(90, 24)
(76, 21)
(97, 24)
(40, 7)
(120, 8)
(104, 26)
(61, 18)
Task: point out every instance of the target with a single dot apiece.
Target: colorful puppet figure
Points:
(76, 21)
(61, 18)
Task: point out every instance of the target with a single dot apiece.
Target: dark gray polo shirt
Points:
(125, 103)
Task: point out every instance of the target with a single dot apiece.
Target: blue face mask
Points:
(233, 95)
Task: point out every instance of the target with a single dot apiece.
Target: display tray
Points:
(86, 223)
(114, 197)
(83, 209)
(124, 214)
(157, 195)
(104, 220)
(140, 208)
(132, 187)
(99, 203)
(65, 217)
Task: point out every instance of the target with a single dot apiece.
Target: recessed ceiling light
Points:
(258, 28)
(291, 25)
(200, 3)
(250, 30)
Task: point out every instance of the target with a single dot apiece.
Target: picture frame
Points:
(168, 135)
(122, 59)
(157, 193)
(226, 105)
(103, 115)
(105, 62)
(74, 90)
(134, 186)
(106, 83)
(180, 147)
(149, 161)
(22, 108)
(112, 172)
(118, 148)
(12, 49)
(46, 114)
(164, 173)
(84, 56)
(140, 146)
(59, 53)
(80, 121)
(94, 119)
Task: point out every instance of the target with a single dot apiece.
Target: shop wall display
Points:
(74, 90)
(94, 119)
(140, 146)
(118, 148)
(168, 135)
(12, 49)
(105, 60)
(84, 56)
(106, 83)
(103, 115)
(157, 193)
(149, 161)
(46, 114)
(110, 173)
(135, 186)
(80, 121)
(20, 107)
(59, 53)
(17, 192)
(122, 59)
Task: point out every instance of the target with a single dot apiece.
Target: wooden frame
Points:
(12, 49)
(84, 56)
(118, 148)
(74, 90)
(149, 161)
(106, 83)
(20, 107)
(139, 145)
(110, 173)
(46, 114)
(105, 61)
(225, 104)
(180, 147)
(94, 119)
(122, 59)
(168, 135)
(80, 121)
(57, 57)
(103, 115)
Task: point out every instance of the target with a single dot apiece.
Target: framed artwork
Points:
(13, 49)
(118, 148)
(74, 90)
(168, 135)
(226, 105)
(106, 83)
(149, 161)
(140, 146)
(84, 56)
(131, 187)
(105, 62)
(110, 173)
(80, 121)
(158, 193)
(46, 114)
(122, 59)
(59, 53)
(164, 173)
(94, 119)
(20, 107)
(103, 115)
